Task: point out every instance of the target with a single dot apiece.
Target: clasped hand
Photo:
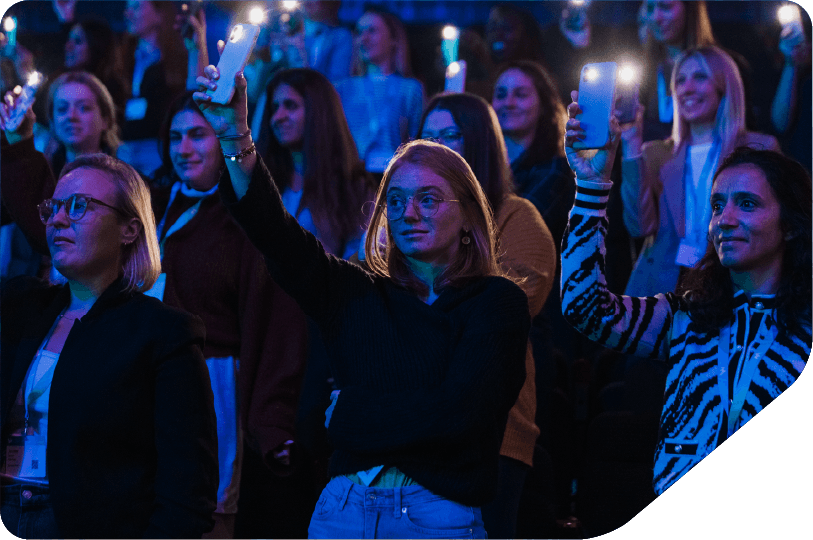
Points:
(589, 165)
(226, 120)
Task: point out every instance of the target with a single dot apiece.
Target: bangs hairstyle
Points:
(477, 259)
(549, 139)
(708, 288)
(141, 262)
(483, 143)
(335, 184)
(400, 62)
(110, 137)
(721, 68)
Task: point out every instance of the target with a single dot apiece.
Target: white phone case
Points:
(596, 97)
(234, 58)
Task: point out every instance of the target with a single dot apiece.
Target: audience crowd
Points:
(356, 241)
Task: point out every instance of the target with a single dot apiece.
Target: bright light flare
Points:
(453, 69)
(9, 24)
(591, 74)
(290, 5)
(627, 74)
(34, 78)
(577, 3)
(236, 33)
(256, 15)
(788, 14)
(450, 32)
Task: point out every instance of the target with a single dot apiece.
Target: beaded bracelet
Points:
(238, 157)
(235, 137)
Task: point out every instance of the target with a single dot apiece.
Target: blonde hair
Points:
(730, 122)
(109, 141)
(141, 260)
(476, 259)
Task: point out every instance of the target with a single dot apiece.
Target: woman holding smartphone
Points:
(739, 334)
(427, 349)
(666, 184)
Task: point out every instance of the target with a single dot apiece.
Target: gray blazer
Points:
(655, 206)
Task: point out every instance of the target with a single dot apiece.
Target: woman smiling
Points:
(666, 184)
(740, 332)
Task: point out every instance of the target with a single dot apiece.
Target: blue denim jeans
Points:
(349, 510)
(27, 512)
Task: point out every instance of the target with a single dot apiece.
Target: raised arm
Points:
(26, 179)
(639, 193)
(632, 325)
(320, 283)
(796, 51)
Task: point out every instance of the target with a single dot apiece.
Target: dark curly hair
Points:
(708, 289)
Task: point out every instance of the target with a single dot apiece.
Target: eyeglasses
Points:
(446, 137)
(426, 205)
(76, 205)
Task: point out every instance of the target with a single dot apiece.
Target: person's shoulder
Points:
(164, 319)
(516, 207)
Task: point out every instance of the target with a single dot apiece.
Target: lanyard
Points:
(665, 108)
(747, 367)
(692, 192)
(32, 380)
(183, 219)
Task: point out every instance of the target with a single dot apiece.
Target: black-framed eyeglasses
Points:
(425, 204)
(76, 205)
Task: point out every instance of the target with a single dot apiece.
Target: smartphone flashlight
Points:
(256, 15)
(236, 33)
(34, 78)
(451, 39)
(590, 74)
(627, 74)
(290, 5)
(10, 26)
(788, 14)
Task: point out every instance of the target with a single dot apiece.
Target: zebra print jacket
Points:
(736, 372)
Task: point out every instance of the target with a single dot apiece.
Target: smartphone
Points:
(235, 55)
(596, 98)
(24, 100)
(626, 101)
(456, 77)
(10, 29)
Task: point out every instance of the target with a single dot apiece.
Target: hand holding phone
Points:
(232, 60)
(596, 99)
(592, 166)
(14, 115)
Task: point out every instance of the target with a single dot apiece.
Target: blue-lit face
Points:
(745, 225)
(430, 230)
(440, 125)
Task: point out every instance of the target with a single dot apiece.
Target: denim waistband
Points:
(25, 494)
(349, 492)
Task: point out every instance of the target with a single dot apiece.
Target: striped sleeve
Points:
(638, 326)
